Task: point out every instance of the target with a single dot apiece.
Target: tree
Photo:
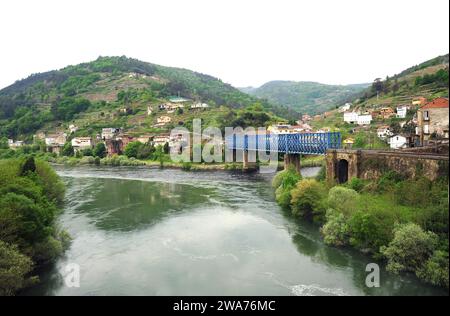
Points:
(343, 200)
(307, 199)
(28, 166)
(87, 152)
(410, 249)
(283, 182)
(4, 143)
(100, 150)
(14, 270)
(166, 148)
(132, 149)
(377, 86)
(67, 150)
(336, 231)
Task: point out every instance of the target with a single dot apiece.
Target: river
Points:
(142, 231)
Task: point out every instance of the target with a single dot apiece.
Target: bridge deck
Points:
(301, 143)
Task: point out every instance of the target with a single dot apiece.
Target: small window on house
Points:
(426, 115)
(426, 129)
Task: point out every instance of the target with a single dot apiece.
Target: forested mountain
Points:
(106, 85)
(305, 97)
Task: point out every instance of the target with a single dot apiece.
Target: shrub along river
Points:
(142, 231)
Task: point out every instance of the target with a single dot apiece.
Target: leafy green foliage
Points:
(336, 230)
(436, 269)
(14, 270)
(307, 199)
(343, 200)
(283, 182)
(99, 150)
(28, 208)
(410, 249)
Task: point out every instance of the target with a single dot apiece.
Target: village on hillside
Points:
(420, 123)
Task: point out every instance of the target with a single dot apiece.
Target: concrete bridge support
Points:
(249, 163)
(292, 160)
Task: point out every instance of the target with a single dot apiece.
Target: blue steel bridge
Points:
(301, 143)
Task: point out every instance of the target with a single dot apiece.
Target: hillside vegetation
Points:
(428, 79)
(94, 94)
(305, 97)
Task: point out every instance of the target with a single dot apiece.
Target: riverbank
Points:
(403, 223)
(313, 161)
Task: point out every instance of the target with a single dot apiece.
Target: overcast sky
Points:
(242, 42)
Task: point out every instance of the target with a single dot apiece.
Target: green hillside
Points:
(117, 91)
(305, 97)
(428, 79)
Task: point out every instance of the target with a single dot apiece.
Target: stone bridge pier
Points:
(292, 160)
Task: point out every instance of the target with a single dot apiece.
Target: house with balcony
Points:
(433, 121)
(364, 119)
(81, 143)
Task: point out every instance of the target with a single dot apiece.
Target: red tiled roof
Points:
(438, 103)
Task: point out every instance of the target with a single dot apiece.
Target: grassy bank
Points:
(403, 222)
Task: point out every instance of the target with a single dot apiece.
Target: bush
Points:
(284, 182)
(307, 200)
(132, 149)
(410, 249)
(336, 231)
(343, 200)
(356, 184)
(368, 232)
(100, 150)
(435, 270)
(14, 270)
(67, 150)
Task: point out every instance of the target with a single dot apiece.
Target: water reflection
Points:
(126, 205)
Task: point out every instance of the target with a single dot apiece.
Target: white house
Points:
(364, 119)
(110, 132)
(345, 107)
(401, 111)
(56, 140)
(398, 142)
(15, 144)
(199, 106)
(80, 143)
(161, 140)
(384, 132)
(73, 128)
(351, 117)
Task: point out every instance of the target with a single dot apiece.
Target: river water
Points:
(141, 231)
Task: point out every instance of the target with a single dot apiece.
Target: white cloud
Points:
(242, 42)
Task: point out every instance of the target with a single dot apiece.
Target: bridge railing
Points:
(301, 143)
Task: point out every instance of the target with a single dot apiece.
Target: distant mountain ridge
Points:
(305, 96)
